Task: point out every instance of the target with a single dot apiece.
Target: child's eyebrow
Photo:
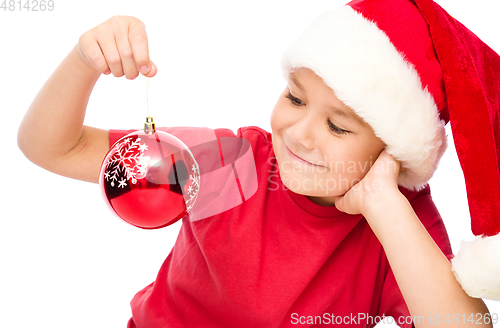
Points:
(349, 115)
(296, 82)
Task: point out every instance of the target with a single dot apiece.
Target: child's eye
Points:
(295, 101)
(335, 129)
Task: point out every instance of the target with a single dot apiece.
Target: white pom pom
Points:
(477, 267)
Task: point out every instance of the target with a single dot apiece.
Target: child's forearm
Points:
(421, 270)
(53, 124)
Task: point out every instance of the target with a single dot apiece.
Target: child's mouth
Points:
(298, 159)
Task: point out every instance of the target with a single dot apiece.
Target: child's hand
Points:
(118, 46)
(378, 185)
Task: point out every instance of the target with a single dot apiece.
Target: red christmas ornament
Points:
(150, 178)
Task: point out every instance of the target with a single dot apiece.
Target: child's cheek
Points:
(275, 118)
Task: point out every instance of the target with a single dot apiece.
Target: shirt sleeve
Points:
(392, 301)
(115, 135)
(426, 210)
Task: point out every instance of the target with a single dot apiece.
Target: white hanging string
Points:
(149, 126)
(147, 96)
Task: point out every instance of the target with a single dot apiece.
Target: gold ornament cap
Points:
(149, 126)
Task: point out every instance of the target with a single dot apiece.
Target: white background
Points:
(66, 261)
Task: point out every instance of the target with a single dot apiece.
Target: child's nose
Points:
(302, 133)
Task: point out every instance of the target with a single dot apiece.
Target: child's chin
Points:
(316, 193)
(311, 191)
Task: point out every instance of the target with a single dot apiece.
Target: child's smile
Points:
(299, 159)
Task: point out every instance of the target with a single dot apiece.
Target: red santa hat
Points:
(408, 68)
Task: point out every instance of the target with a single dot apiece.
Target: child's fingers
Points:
(111, 54)
(91, 53)
(126, 54)
(139, 43)
(118, 46)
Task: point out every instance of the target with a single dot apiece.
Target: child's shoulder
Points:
(423, 205)
(412, 194)
(247, 132)
(259, 139)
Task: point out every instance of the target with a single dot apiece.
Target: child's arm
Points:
(52, 134)
(422, 271)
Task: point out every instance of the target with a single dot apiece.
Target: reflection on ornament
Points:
(150, 178)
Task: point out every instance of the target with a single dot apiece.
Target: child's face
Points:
(336, 155)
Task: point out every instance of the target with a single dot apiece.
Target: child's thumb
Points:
(149, 70)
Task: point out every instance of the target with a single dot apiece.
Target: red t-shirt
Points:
(255, 254)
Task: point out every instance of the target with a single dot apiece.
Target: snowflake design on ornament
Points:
(194, 186)
(127, 163)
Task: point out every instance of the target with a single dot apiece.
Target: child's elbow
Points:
(27, 144)
(22, 144)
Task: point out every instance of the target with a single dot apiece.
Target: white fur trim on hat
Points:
(477, 267)
(360, 64)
